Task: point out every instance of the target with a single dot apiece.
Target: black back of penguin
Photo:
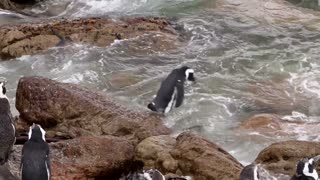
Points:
(249, 172)
(255, 172)
(35, 162)
(171, 92)
(7, 129)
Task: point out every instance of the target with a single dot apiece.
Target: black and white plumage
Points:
(255, 172)
(35, 161)
(7, 127)
(306, 169)
(151, 174)
(171, 92)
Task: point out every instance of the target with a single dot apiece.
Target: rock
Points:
(275, 97)
(155, 153)
(282, 157)
(203, 159)
(31, 45)
(27, 38)
(85, 157)
(266, 124)
(7, 4)
(120, 80)
(5, 173)
(187, 155)
(268, 121)
(75, 111)
(16, 5)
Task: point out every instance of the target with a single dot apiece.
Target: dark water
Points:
(247, 61)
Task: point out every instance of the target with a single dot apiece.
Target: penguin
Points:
(306, 169)
(7, 126)
(255, 172)
(35, 162)
(171, 92)
(151, 174)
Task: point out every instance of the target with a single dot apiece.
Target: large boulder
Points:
(203, 159)
(85, 158)
(31, 38)
(188, 155)
(282, 157)
(72, 110)
(155, 152)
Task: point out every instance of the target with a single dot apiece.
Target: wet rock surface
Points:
(263, 123)
(282, 157)
(74, 111)
(155, 152)
(203, 159)
(274, 11)
(31, 38)
(277, 98)
(85, 158)
(188, 155)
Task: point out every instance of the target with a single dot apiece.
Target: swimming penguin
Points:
(306, 169)
(171, 92)
(255, 172)
(35, 162)
(7, 127)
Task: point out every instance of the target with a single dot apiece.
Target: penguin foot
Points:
(152, 107)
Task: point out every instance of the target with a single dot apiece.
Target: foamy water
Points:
(242, 67)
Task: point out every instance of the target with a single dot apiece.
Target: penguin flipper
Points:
(180, 94)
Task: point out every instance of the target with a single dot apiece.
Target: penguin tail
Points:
(152, 107)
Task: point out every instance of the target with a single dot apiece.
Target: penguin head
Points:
(154, 174)
(189, 73)
(306, 168)
(36, 133)
(3, 90)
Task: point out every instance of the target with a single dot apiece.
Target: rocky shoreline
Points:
(102, 138)
(92, 136)
(31, 38)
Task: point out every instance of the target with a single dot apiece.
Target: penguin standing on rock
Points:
(7, 127)
(171, 92)
(306, 169)
(35, 162)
